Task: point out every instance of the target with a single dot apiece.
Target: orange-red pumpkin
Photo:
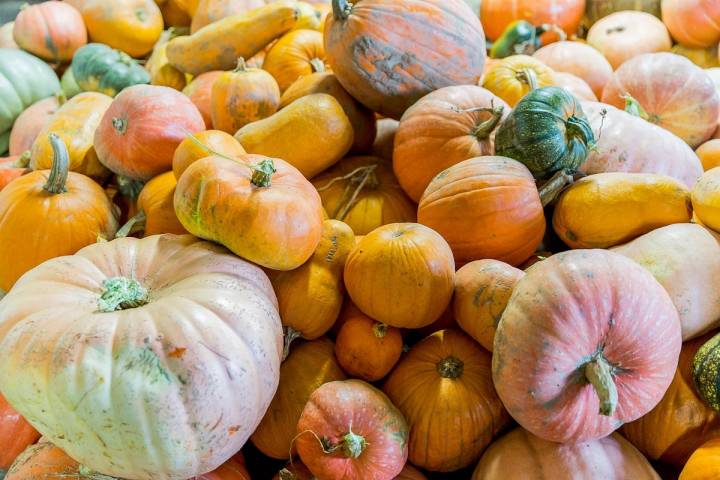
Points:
(367, 349)
(16, 432)
(496, 15)
(693, 23)
(233, 469)
(13, 167)
(45, 460)
(199, 91)
(201, 145)
(31, 122)
(51, 30)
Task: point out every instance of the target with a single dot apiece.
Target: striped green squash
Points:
(99, 68)
(706, 372)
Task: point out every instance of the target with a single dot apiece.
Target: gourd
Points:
(705, 199)
(296, 54)
(702, 464)
(156, 204)
(131, 26)
(199, 91)
(99, 68)
(51, 30)
(161, 72)
(513, 77)
(30, 122)
(202, 144)
(705, 372)
(209, 11)
(360, 335)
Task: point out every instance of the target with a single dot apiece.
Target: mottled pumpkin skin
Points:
(482, 291)
(693, 22)
(278, 226)
(290, 57)
(16, 432)
(217, 357)
(51, 30)
(312, 134)
(703, 463)
(706, 200)
(209, 11)
(520, 454)
(579, 59)
(132, 26)
(99, 68)
(443, 129)
(673, 92)
(43, 460)
(444, 388)
(509, 78)
(485, 207)
(203, 145)
(496, 15)
(681, 422)
(358, 337)
(401, 274)
(309, 365)
(637, 203)
(435, 44)
(572, 309)
(30, 123)
(338, 408)
(156, 200)
(705, 372)
(199, 91)
(75, 123)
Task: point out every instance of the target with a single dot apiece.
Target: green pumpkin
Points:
(69, 86)
(547, 131)
(4, 142)
(24, 79)
(99, 68)
(519, 38)
(706, 372)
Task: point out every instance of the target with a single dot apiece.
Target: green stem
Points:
(23, 160)
(341, 9)
(633, 107)
(450, 367)
(135, 224)
(599, 373)
(128, 187)
(353, 445)
(121, 293)
(552, 188)
(120, 124)
(60, 166)
(289, 336)
(262, 173)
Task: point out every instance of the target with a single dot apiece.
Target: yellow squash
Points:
(706, 199)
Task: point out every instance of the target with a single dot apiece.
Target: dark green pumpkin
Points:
(99, 68)
(547, 131)
(706, 372)
(519, 38)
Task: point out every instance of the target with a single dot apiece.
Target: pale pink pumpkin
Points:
(580, 59)
(145, 359)
(589, 341)
(671, 92)
(575, 85)
(626, 143)
(30, 123)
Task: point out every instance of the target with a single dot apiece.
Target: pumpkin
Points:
(547, 131)
(410, 473)
(262, 209)
(139, 133)
(74, 123)
(637, 203)
(681, 422)
(310, 297)
(367, 349)
(584, 385)
(17, 435)
(496, 15)
(579, 59)
(361, 118)
(702, 464)
(217, 356)
(444, 388)
(597, 9)
(173, 13)
(626, 143)
(705, 199)
(436, 43)
(242, 96)
(708, 152)
(702, 57)
(295, 470)
(69, 86)
(521, 37)
(24, 79)
(209, 11)
(705, 372)
(161, 72)
(99, 68)
(401, 274)
(45, 460)
(156, 203)
(294, 55)
(220, 44)
(442, 129)
(364, 193)
(51, 30)
(577, 87)
(310, 365)
(6, 36)
(199, 91)
(482, 291)
(13, 167)
(385, 139)
(201, 145)
(312, 134)
(30, 122)
(670, 91)
(513, 77)
(627, 34)
(53, 196)
(131, 26)
(693, 23)
(349, 429)
(233, 469)
(520, 454)
(684, 259)
(485, 207)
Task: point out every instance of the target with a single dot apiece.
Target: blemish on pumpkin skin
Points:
(234, 429)
(177, 352)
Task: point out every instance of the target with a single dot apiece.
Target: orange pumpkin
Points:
(401, 274)
(513, 77)
(204, 144)
(199, 91)
(442, 129)
(156, 202)
(161, 72)
(209, 11)
(16, 432)
(51, 30)
(233, 469)
(708, 152)
(693, 23)
(242, 96)
(496, 15)
(444, 388)
(13, 167)
(579, 59)
(295, 55)
(30, 122)
(173, 13)
(703, 463)
(485, 207)
(45, 460)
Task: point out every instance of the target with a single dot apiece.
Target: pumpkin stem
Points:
(485, 128)
(580, 139)
(380, 329)
(528, 76)
(450, 367)
(241, 65)
(120, 125)
(550, 27)
(359, 179)
(341, 9)
(286, 474)
(129, 187)
(599, 373)
(633, 107)
(60, 166)
(262, 173)
(353, 444)
(135, 224)
(289, 336)
(23, 160)
(318, 66)
(121, 293)
(61, 98)
(552, 188)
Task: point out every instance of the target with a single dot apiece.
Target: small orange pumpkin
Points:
(367, 349)
(156, 202)
(708, 152)
(703, 463)
(204, 144)
(199, 91)
(296, 54)
(51, 30)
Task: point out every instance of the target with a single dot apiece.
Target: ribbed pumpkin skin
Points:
(508, 81)
(401, 274)
(209, 11)
(693, 23)
(482, 291)
(156, 200)
(139, 133)
(547, 131)
(496, 15)
(289, 58)
(451, 420)
(630, 144)
(705, 372)
(681, 422)
(43, 460)
(199, 91)
(441, 130)
(51, 30)
(579, 59)
(676, 94)
(75, 123)
(380, 201)
(520, 454)
(568, 309)
(485, 207)
(435, 44)
(191, 149)
(703, 463)
(577, 87)
(233, 469)
(16, 432)
(309, 365)
(30, 123)
(99, 68)
(705, 199)
(132, 26)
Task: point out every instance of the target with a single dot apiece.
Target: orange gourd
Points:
(703, 463)
(708, 152)
(199, 91)
(209, 11)
(156, 202)
(513, 77)
(51, 30)
(13, 167)
(496, 15)
(294, 55)
(132, 26)
(45, 460)
(203, 145)
(16, 432)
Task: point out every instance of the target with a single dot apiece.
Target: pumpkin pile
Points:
(360, 240)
